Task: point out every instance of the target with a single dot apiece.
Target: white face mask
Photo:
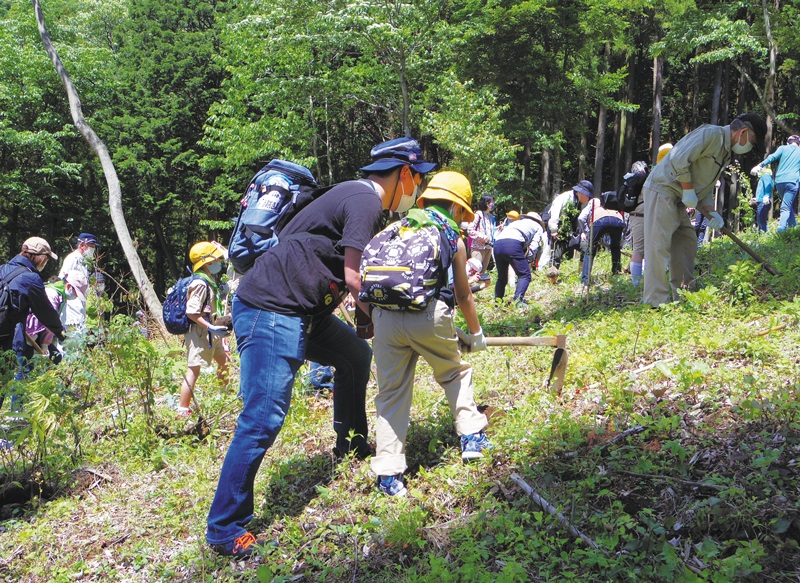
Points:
(101, 288)
(742, 149)
(408, 200)
(89, 252)
(215, 267)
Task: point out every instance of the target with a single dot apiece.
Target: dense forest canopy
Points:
(525, 97)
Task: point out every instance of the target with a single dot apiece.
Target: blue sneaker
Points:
(473, 445)
(392, 485)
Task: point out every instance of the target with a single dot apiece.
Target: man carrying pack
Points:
(686, 178)
(24, 292)
(283, 314)
(567, 203)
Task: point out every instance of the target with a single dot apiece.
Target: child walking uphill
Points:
(203, 305)
(402, 336)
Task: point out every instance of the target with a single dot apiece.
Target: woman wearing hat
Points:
(525, 236)
(402, 336)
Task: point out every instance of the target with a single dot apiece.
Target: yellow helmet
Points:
(204, 253)
(452, 186)
(513, 215)
(663, 150)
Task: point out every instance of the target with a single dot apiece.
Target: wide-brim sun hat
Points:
(536, 217)
(398, 152)
(584, 187)
(79, 282)
(204, 253)
(452, 186)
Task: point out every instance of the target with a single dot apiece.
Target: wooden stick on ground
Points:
(552, 510)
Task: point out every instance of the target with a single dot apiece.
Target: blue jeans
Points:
(787, 191)
(272, 348)
(511, 252)
(762, 216)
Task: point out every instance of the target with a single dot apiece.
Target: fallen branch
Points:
(552, 510)
(770, 330)
(653, 365)
(672, 479)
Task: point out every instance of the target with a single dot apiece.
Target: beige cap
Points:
(38, 246)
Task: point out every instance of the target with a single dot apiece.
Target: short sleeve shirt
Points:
(304, 273)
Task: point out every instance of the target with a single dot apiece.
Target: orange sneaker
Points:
(241, 547)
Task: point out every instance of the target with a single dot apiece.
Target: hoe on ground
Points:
(555, 382)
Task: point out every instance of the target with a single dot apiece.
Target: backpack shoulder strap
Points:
(14, 273)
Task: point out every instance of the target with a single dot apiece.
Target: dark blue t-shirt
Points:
(304, 273)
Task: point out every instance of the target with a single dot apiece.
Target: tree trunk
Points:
(599, 150)
(557, 182)
(769, 84)
(619, 129)
(695, 96)
(584, 148)
(544, 183)
(716, 96)
(114, 191)
(726, 90)
(658, 84)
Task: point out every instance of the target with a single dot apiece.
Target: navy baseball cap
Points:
(398, 152)
(89, 239)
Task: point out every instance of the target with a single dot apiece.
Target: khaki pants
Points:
(670, 242)
(401, 337)
(483, 255)
(636, 225)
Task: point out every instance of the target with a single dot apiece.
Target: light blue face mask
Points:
(215, 268)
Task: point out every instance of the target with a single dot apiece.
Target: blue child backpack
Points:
(174, 307)
(275, 193)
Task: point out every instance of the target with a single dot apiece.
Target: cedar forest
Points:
(673, 448)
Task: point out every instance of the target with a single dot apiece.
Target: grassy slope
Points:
(707, 490)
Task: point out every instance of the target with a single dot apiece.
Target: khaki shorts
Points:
(200, 353)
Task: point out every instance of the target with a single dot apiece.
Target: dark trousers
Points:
(613, 227)
(509, 252)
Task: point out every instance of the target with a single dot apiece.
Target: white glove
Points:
(755, 170)
(689, 198)
(218, 331)
(477, 341)
(715, 221)
(768, 200)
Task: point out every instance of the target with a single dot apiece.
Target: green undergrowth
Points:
(672, 449)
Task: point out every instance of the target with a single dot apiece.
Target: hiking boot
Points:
(242, 547)
(392, 485)
(473, 445)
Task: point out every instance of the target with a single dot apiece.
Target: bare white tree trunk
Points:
(114, 191)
